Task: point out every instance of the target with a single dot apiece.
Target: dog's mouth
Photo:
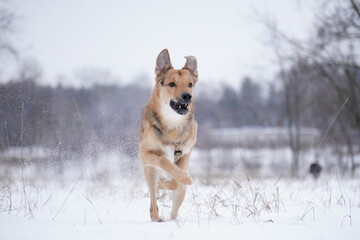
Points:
(179, 107)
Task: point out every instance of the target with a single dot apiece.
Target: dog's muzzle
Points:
(181, 105)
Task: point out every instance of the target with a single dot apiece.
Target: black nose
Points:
(186, 97)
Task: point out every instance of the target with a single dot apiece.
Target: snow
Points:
(266, 162)
(231, 207)
(261, 136)
(109, 199)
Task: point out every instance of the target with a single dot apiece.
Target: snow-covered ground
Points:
(237, 194)
(231, 207)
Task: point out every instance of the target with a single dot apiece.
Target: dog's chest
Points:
(169, 151)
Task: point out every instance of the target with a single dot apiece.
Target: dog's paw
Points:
(157, 219)
(160, 220)
(163, 183)
(183, 177)
(167, 184)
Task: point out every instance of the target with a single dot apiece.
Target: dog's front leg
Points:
(158, 159)
(172, 184)
(179, 194)
(151, 179)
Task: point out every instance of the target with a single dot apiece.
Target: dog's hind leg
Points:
(152, 179)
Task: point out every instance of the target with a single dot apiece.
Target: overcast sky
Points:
(125, 37)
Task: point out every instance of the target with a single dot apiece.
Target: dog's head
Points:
(176, 87)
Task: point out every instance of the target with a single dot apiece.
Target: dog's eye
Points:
(190, 85)
(172, 84)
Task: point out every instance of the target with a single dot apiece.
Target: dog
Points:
(168, 131)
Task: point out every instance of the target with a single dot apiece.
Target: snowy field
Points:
(96, 204)
(231, 209)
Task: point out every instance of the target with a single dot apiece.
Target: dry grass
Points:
(236, 199)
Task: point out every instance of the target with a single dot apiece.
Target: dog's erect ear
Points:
(191, 65)
(163, 63)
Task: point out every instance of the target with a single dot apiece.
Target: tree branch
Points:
(355, 7)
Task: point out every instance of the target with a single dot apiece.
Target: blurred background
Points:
(279, 85)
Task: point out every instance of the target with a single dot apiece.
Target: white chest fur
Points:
(169, 151)
(171, 118)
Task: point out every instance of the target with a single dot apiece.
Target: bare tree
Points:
(331, 58)
(335, 53)
(290, 65)
(7, 28)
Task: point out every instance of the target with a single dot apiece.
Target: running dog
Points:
(168, 131)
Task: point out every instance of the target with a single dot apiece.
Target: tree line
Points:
(99, 118)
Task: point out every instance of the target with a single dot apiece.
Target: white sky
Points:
(125, 37)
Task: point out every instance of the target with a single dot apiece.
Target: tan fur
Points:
(163, 132)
